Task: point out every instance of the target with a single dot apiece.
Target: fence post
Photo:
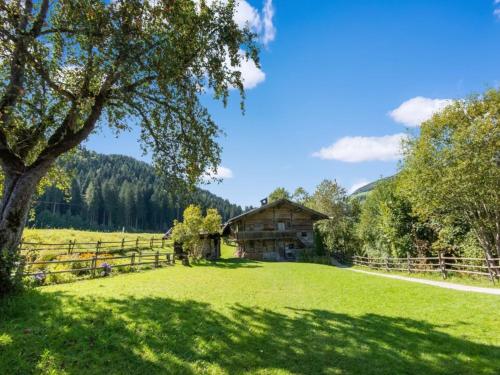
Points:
(387, 264)
(137, 244)
(442, 266)
(94, 265)
(97, 247)
(22, 266)
(162, 242)
(168, 258)
(408, 261)
(151, 243)
(491, 271)
(123, 244)
(132, 261)
(157, 259)
(69, 247)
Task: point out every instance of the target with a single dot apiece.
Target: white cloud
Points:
(221, 174)
(260, 22)
(417, 110)
(359, 149)
(496, 11)
(269, 32)
(224, 172)
(358, 184)
(247, 15)
(250, 73)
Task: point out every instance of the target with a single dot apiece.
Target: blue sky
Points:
(341, 84)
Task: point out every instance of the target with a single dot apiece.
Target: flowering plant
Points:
(106, 269)
(40, 277)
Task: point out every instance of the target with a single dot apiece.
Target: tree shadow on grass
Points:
(65, 334)
(229, 263)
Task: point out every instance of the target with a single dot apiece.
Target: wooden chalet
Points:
(274, 231)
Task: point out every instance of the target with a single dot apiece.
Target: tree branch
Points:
(46, 77)
(65, 138)
(40, 19)
(13, 92)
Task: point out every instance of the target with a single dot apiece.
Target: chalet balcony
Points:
(265, 235)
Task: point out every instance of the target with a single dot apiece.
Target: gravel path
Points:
(441, 284)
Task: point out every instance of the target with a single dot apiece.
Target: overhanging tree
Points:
(69, 66)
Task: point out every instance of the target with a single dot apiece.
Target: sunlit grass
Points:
(241, 317)
(65, 235)
(456, 278)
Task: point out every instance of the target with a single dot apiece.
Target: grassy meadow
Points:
(65, 235)
(245, 317)
(74, 250)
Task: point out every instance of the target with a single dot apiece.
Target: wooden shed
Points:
(274, 231)
(210, 246)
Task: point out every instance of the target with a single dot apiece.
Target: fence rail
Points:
(441, 264)
(72, 246)
(87, 258)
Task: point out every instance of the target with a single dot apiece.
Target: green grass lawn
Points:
(239, 317)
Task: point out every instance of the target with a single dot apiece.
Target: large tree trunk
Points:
(14, 208)
(488, 242)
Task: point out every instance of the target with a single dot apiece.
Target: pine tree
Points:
(76, 202)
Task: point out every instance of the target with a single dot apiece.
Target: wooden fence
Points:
(440, 264)
(88, 258)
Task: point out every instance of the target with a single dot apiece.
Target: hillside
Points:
(110, 192)
(364, 190)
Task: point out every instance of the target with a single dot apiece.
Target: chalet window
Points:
(304, 234)
(281, 226)
(251, 245)
(291, 246)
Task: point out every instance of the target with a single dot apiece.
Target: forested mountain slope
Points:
(363, 190)
(110, 192)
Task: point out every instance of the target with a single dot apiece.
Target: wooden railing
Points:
(441, 264)
(72, 246)
(90, 258)
(265, 235)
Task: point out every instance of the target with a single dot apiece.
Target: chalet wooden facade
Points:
(274, 231)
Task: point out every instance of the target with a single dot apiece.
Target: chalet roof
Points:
(275, 203)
